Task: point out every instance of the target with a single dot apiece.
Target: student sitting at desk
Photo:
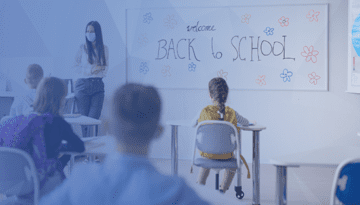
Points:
(41, 134)
(218, 93)
(127, 176)
(22, 104)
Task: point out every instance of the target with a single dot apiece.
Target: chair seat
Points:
(215, 164)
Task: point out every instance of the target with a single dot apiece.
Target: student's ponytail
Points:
(219, 91)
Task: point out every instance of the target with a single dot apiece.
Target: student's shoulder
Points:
(208, 108)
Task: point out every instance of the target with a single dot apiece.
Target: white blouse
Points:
(84, 69)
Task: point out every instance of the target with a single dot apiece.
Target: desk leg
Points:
(71, 164)
(241, 162)
(256, 168)
(174, 150)
(280, 192)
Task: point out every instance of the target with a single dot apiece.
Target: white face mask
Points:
(91, 37)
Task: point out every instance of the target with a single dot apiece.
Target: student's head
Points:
(135, 114)
(93, 34)
(219, 90)
(34, 74)
(50, 95)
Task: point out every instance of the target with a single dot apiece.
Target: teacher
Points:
(91, 65)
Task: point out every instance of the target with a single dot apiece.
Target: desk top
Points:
(253, 128)
(326, 156)
(97, 145)
(82, 120)
(179, 122)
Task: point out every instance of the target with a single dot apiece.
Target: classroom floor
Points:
(305, 185)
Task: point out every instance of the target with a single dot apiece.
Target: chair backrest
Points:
(346, 184)
(216, 137)
(17, 173)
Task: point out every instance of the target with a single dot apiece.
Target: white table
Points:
(101, 145)
(256, 160)
(84, 120)
(323, 157)
(174, 142)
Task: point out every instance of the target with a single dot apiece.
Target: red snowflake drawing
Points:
(170, 21)
(166, 71)
(313, 78)
(310, 54)
(245, 18)
(283, 21)
(312, 15)
(261, 80)
(222, 74)
(143, 40)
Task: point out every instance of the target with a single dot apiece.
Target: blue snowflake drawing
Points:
(269, 31)
(147, 18)
(144, 68)
(286, 75)
(192, 67)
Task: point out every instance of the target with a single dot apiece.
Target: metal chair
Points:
(18, 176)
(346, 184)
(219, 137)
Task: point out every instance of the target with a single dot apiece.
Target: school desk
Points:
(322, 157)
(94, 146)
(256, 159)
(83, 120)
(174, 141)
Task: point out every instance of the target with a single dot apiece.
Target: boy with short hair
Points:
(127, 176)
(22, 105)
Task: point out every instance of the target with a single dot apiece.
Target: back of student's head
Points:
(219, 90)
(136, 113)
(34, 74)
(50, 93)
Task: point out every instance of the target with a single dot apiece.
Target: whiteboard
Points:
(353, 84)
(253, 48)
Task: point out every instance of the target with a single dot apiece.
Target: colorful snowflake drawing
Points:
(313, 78)
(170, 22)
(286, 75)
(192, 67)
(310, 54)
(283, 21)
(147, 18)
(312, 15)
(143, 40)
(245, 18)
(144, 68)
(222, 74)
(261, 80)
(269, 31)
(166, 71)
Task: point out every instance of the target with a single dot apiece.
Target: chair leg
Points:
(217, 181)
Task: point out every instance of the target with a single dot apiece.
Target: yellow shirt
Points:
(210, 113)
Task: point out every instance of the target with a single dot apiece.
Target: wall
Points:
(296, 121)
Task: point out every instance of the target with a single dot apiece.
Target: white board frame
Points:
(325, 88)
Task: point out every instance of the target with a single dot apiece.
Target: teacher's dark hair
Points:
(219, 90)
(136, 114)
(98, 44)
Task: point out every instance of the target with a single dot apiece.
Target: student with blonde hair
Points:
(42, 134)
(127, 176)
(22, 105)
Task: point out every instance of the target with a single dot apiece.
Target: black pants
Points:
(89, 98)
